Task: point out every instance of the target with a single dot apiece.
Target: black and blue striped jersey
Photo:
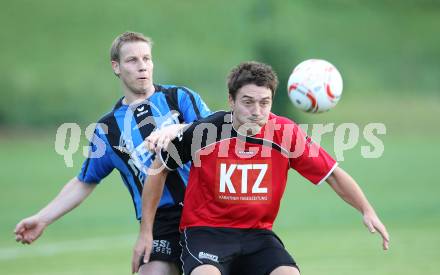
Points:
(118, 141)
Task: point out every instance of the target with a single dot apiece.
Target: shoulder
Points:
(215, 118)
(280, 119)
(108, 117)
(177, 94)
(161, 88)
(168, 88)
(282, 126)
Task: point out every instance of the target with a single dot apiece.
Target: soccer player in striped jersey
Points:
(148, 115)
(240, 166)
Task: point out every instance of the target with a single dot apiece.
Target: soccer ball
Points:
(315, 86)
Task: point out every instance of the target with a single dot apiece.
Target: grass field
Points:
(55, 69)
(378, 46)
(324, 235)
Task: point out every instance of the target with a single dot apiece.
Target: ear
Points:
(231, 101)
(115, 67)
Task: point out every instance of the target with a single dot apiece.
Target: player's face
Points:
(251, 106)
(135, 67)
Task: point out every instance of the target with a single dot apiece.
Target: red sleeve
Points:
(308, 158)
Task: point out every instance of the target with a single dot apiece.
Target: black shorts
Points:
(166, 236)
(234, 251)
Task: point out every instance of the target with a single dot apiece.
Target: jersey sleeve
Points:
(179, 150)
(309, 159)
(98, 163)
(191, 105)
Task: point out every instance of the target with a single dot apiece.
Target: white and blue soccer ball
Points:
(315, 86)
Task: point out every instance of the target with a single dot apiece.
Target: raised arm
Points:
(73, 193)
(151, 194)
(347, 188)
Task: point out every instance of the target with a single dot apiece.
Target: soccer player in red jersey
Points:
(240, 164)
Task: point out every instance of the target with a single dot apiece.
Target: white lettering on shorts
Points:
(161, 247)
(204, 255)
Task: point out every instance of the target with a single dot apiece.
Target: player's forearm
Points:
(347, 188)
(72, 194)
(177, 129)
(181, 126)
(151, 195)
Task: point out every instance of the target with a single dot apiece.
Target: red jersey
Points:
(238, 181)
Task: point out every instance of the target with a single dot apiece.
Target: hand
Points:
(160, 138)
(373, 224)
(143, 248)
(29, 229)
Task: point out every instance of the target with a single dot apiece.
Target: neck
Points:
(130, 97)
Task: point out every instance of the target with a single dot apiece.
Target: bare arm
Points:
(347, 188)
(72, 194)
(151, 195)
(160, 138)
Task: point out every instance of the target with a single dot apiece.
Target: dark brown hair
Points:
(252, 72)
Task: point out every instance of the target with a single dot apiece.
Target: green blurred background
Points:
(55, 68)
